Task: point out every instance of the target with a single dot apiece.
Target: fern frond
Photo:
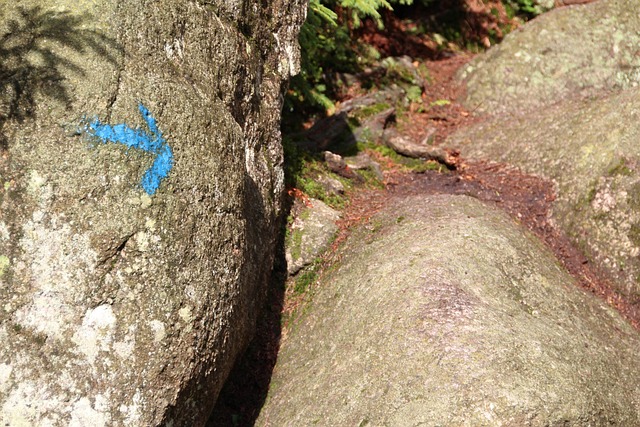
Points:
(322, 12)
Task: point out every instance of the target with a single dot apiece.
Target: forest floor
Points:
(526, 198)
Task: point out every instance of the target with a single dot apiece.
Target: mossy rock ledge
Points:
(449, 314)
(141, 180)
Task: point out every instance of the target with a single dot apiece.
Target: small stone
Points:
(364, 161)
(331, 185)
(336, 164)
(311, 233)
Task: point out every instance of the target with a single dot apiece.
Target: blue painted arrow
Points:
(151, 142)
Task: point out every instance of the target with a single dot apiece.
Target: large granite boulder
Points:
(575, 51)
(591, 149)
(140, 184)
(570, 80)
(451, 315)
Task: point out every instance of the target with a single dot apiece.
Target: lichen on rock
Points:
(570, 52)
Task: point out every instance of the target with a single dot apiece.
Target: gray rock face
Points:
(568, 52)
(130, 277)
(451, 315)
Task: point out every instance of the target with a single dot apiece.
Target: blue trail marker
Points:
(151, 142)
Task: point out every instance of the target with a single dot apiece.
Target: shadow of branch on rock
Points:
(32, 61)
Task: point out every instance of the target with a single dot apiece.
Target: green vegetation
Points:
(526, 8)
(304, 280)
(330, 43)
(408, 163)
(591, 194)
(307, 182)
(439, 103)
(375, 226)
(336, 58)
(370, 178)
(414, 93)
(333, 43)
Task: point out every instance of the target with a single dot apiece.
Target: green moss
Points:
(382, 149)
(311, 187)
(287, 230)
(296, 244)
(306, 179)
(591, 195)
(370, 178)
(424, 72)
(353, 123)
(303, 281)
(365, 135)
(370, 110)
(440, 103)
(429, 165)
(410, 164)
(305, 214)
(414, 93)
(315, 190)
(397, 72)
(376, 226)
